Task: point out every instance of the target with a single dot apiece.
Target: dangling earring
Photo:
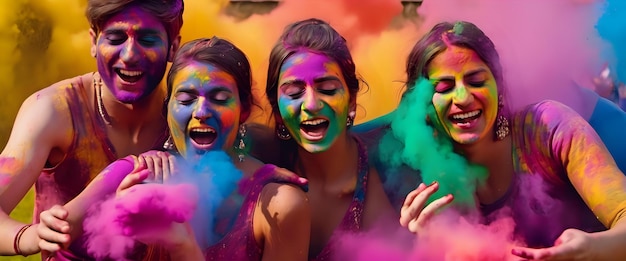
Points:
(502, 127)
(502, 123)
(350, 119)
(241, 147)
(169, 144)
(282, 132)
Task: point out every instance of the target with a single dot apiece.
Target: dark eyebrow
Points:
(326, 78)
(143, 31)
(474, 72)
(149, 31)
(293, 82)
(469, 74)
(113, 31)
(220, 89)
(443, 79)
(186, 89)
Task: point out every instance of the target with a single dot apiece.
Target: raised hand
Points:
(415, 213)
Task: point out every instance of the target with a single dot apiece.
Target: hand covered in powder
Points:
(573, 244)
(161, 164)
(415, 213)
(53, 229)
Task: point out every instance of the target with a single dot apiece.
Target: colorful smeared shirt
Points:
(89, 153)
(565, 177)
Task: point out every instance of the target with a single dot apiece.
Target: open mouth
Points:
(129, 76)
(465, 117)
(203, 138)
(314, 129)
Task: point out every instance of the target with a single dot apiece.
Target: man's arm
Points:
(43, 124)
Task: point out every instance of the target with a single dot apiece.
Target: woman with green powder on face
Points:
(455, 73)
(312, 88)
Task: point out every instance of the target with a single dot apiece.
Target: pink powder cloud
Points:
(144, 210)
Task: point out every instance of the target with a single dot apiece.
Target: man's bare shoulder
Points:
(57, 89)
(47, 110)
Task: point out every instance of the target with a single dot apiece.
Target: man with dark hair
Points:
(65, 134)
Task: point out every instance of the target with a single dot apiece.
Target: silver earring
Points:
(169, 144)
(350, 119)
(241, 147)
(502, 127)
(502, 123)
(282, 132)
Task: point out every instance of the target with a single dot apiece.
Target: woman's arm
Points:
(592, 171)
(61, 224)
(282, 222)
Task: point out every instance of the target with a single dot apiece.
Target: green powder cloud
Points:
(413, 142)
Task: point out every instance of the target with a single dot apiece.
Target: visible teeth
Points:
(130, 73)
(462, 116)
(314, 122)
(204, 130)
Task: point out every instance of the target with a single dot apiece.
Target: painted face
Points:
(203, 110)
(131, 53)
(313, 100)
(466, 95)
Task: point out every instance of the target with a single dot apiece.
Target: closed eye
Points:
(149, 41)
(185, 98)
(329, 86)
(476, 78)
(477, 84)
(221, 96)
(293, 89)
(444, 86)
(115, 39)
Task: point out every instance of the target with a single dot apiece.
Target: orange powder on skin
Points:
(8, 165)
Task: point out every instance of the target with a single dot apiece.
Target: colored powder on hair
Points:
(50, 39)
(548, 49)
(612, 28)
(413, 142)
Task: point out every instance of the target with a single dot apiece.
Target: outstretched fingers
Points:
(415, 213)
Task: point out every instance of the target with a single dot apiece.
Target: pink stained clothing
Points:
(565, 177)
(239, 243)
(89, 153)
(352, 221)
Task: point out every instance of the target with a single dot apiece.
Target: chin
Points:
(466, 139)
(314, 148)
(129, 98)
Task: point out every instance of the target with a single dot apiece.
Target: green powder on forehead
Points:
(414, 143)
